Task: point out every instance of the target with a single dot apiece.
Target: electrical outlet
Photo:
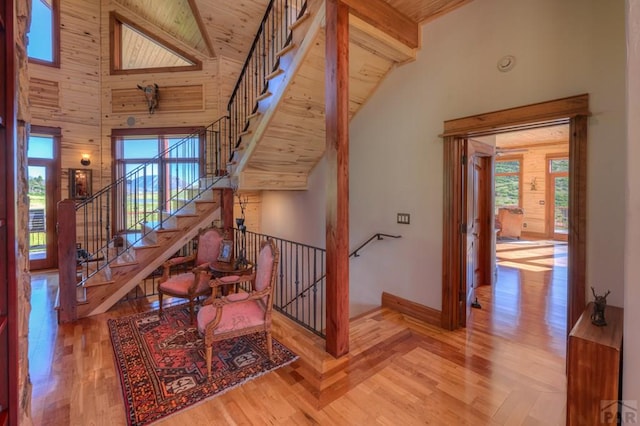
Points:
(404, 218)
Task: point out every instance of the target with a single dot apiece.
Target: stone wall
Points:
(23, 13)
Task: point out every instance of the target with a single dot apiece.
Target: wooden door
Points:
(557, 199)
(477, 213)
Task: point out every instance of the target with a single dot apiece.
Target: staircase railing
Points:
(144, 198)
(273, 35)
(300, 291)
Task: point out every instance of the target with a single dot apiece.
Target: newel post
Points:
(67, 261)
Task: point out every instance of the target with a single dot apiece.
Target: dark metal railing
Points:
(273, 35)
(300, 291)
(148, 196)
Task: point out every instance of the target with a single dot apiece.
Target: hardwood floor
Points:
(506, 368)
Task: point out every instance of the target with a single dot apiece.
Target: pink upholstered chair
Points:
(191, 285)
(242, 313)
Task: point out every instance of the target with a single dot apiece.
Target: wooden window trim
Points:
(55, 38)
(519, 173)
(115, 49)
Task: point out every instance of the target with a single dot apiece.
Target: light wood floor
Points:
(506, 368)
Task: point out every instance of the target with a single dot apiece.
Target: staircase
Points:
(272, 138)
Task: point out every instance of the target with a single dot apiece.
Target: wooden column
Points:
(67, 258)
(337, 131)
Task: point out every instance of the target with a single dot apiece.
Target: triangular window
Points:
(134, 50)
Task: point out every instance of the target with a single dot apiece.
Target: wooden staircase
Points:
(285, 138)
(134, 262)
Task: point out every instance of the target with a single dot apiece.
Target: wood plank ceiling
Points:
(227, 28)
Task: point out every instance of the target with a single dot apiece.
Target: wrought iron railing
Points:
(300, 291)
(143, 199)
(273, 35)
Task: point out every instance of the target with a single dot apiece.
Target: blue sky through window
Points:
(40, 147)
(41, 34)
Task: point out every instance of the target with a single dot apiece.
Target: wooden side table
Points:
(593, 369)
(228, 270)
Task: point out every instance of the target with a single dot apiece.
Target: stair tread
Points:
(96, 283)
(299, 21)
(289, 47)
(123, 264)
(274, 74)
(265, 95)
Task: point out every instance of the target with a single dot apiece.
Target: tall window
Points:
(159, 167)
(44, 33)
(508, 179)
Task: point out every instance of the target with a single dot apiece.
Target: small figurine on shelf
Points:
(599, 303)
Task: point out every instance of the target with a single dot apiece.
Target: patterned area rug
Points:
(162, 364)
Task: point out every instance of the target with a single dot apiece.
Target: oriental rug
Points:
(162, 367)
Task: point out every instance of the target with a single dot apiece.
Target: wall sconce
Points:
(85, 160)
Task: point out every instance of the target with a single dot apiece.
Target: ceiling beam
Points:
(388, 19)
(202, 27)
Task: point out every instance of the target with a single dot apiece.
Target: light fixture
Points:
(85, 160)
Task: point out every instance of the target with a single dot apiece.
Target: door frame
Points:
(572, 110)
(53, 191)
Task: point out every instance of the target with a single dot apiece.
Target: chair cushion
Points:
(208, 247)
(235, 316)
(229, 279)
(179, 284)
(265, 263)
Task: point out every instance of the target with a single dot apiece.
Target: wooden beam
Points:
(202, 27)
(337, 134)
(513, 117)
(382, 15)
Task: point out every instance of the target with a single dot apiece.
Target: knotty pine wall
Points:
(534, 167)
(87, 102)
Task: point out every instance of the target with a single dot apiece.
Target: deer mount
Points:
(151, 95)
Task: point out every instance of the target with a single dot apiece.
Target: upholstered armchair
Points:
(245, 312)
(191, 285)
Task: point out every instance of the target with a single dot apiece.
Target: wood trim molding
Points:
(541, 112)
(383, 16)
(202, 27)
(575, 110)
(413, 309)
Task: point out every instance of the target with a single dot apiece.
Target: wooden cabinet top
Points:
(608, 335)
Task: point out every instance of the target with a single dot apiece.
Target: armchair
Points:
(191, 285)
(242, 313)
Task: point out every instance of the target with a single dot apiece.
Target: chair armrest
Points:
(220, 281)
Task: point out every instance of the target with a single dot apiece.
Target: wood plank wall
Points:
(534, 167)
(78, 97)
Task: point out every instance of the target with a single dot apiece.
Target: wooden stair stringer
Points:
(104, 297)
(299, 56)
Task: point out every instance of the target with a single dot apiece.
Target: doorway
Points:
(557, 199)
(44, 194)
(573, 111)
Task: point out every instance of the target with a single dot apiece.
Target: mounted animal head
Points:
(151, 95)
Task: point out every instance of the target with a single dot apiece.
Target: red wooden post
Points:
(337, 133)
(67, 261)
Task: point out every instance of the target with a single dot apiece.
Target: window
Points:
(508, 177)
(160, 168)
(44, 33)
(135, 51)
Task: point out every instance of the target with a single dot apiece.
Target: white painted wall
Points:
(631, 374)
(562, 48)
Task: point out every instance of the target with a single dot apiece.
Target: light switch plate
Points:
(404, 218)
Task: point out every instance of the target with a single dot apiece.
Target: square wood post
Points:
(337, 133)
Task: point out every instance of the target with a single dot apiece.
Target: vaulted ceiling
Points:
(213, 28)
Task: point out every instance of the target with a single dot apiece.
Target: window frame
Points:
(162, 134)
(115, 49)
(55, 37)
(519, 174)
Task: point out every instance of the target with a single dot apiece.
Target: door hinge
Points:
(463, 228)
(463, 159)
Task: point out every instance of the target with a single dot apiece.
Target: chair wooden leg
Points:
(209, 351)
(160, 301)
(191, 309)
(269, 346)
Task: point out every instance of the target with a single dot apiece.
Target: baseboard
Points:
(416, 310)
